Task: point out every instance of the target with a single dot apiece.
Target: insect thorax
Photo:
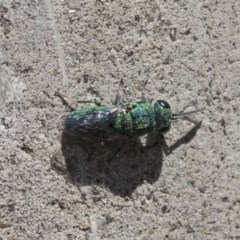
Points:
(139, 118)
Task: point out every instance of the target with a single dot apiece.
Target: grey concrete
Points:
(189, 51)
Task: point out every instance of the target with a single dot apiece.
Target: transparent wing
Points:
(91, 124)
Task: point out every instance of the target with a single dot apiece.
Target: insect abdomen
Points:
(84, 123)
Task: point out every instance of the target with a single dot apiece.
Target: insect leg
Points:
(66, 102)
(143, 89)
(95, 102)
(118, 98)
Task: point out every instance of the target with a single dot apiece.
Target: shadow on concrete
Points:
(120, 165)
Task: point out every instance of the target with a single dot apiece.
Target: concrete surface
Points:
(189, 51)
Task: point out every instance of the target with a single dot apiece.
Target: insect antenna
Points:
(184, 115)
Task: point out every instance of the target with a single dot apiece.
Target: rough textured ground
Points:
(190, 53)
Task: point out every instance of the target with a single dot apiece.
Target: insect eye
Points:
(164, 104)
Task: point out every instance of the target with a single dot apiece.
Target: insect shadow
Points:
(120, 166)
(120, 163)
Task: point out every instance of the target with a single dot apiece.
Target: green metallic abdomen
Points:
(138, 119)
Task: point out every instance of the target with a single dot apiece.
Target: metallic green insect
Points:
(132, 119)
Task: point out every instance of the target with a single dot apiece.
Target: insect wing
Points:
(91, 124)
